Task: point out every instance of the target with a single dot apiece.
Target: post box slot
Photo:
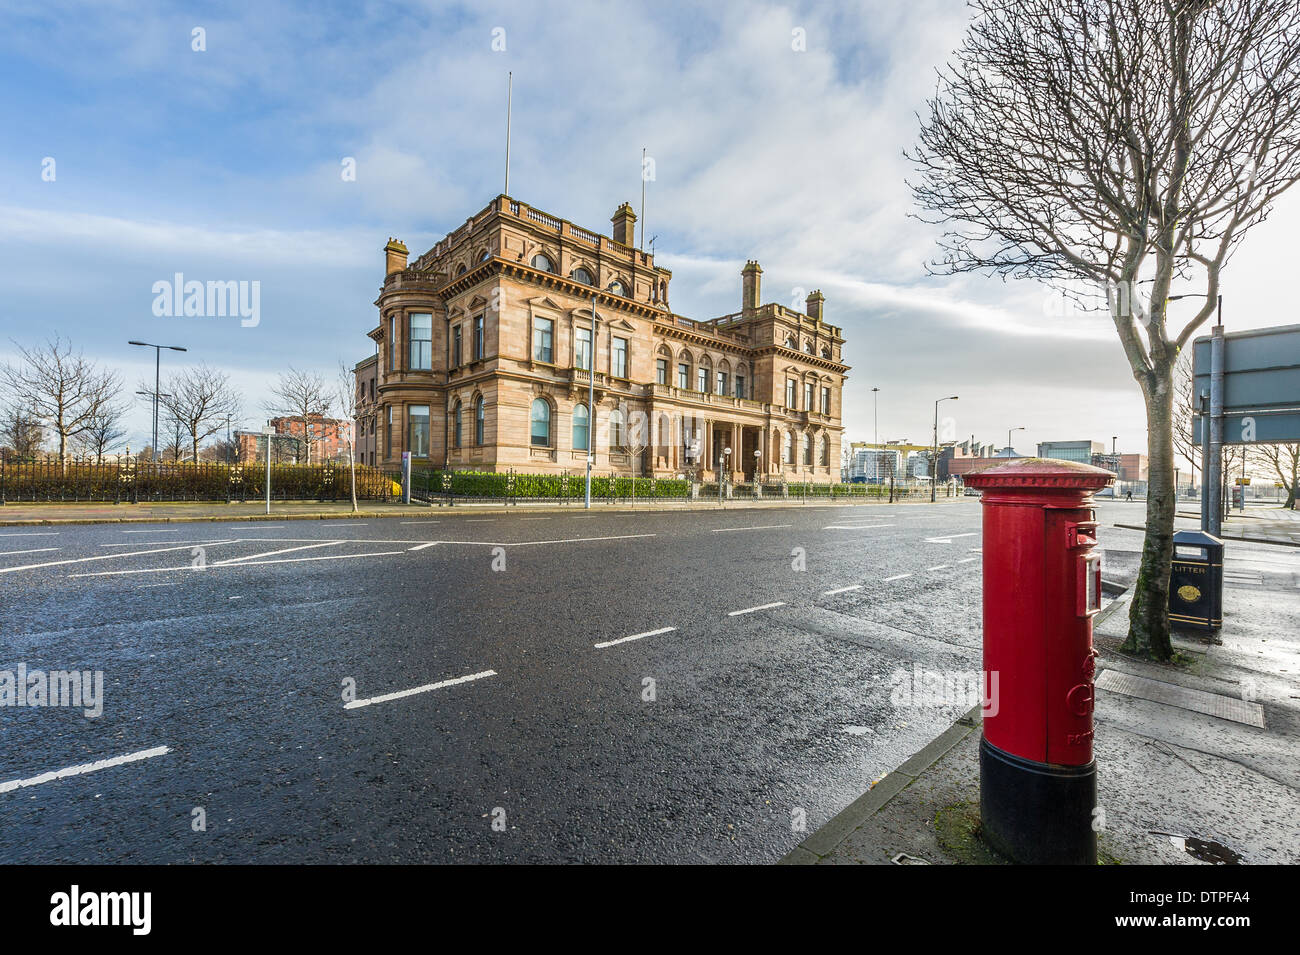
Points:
(1089, 585)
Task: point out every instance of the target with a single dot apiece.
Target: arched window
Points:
(807, 449)
(617, 433)
(581, 427)
(826, 351)
(618, 288)
(581, 275)
(485, 255)
(457, 426)
(791, 343)
(542, 263)
(462, 270)
(478, 420)
(826, 450)
(789, 447)
(541, 423)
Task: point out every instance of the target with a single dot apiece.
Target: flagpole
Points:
(510, 90)
(641, 246)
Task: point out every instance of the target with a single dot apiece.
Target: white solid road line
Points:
(83, 768)
(760, 527)
(854, 527)
(273, 553)
(400, 694)
(737, 613)
(895, 577)
(840, 590)
(635, 636)
(37, 534)
(422, 546)
(34, 550)
(82, 560)
(225, 566)
(948, 539)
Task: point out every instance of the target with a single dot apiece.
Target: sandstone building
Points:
(484, 347)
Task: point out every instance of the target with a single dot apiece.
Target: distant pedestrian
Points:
(1128, 495)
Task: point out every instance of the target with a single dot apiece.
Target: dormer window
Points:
(581, 275)
(542, 263)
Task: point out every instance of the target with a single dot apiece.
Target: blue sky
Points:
(225, 164)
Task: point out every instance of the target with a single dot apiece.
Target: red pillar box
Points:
(1042, 587)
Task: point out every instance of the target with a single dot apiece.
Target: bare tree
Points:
(1185, 409)
(102, 432)
(1283, 460)
(303, 396)
(347, 402)
(1116, 146)
(21, 433)
(202, 401)
(62, 389)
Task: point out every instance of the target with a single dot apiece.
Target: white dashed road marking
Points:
(761, 527)
(402, 694)
(840, 590)
(635, 636)
(422, 546)
(940, 567)
(82, 560)
(949, 539)
(34, 550)
(895, 577)
(737, 613)
(83, 768)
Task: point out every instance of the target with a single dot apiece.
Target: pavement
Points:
(24, 514)
(1181, 778)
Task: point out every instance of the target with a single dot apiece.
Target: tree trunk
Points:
(1148, 633)
(352, 467)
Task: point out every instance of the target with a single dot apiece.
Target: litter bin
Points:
(1196, 582)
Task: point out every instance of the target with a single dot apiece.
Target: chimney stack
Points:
(814, 303)
(625, 225)
(395, 256)
(751, 284)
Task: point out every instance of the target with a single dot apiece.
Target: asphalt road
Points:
(548, 749)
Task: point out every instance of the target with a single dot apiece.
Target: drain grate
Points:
(1198, 701)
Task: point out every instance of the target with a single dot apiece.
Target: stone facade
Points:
(482, 357)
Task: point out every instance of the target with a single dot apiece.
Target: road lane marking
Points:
(34, 550)
(895, 577)
(635, 636)
(82, 560)
(225, 566)
(348, 524)
(170, 583)
(479, 520)
(760, 527)
(535, 518)
(840, 590)
(273, 553)
(854, 527)
(37, 534)
(949, 539)
(165, 530)
(82, 768)
(401, 694)
(967, 560)
(419, 522)
(940, 567)
(422, 546)
(737, 613)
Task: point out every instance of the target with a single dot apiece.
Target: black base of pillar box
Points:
(1035, 813)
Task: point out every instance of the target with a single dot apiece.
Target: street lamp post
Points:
(157, 384)
(1010, 450)
(875, 417)
(934, 457)
(722, 463)
(591, 395)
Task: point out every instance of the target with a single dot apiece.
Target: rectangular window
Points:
(661, 371)
(701, 379)
(619, 369)
(388, 434)
(418, 416)
(740, 386)
(826, 400)
(543, 336)
(807, 396)
(392, 342)
(582, 349)
(722, 382)
(683, 375)
(457, 355)
(791, 389)
(421, 340)
(478, 338)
